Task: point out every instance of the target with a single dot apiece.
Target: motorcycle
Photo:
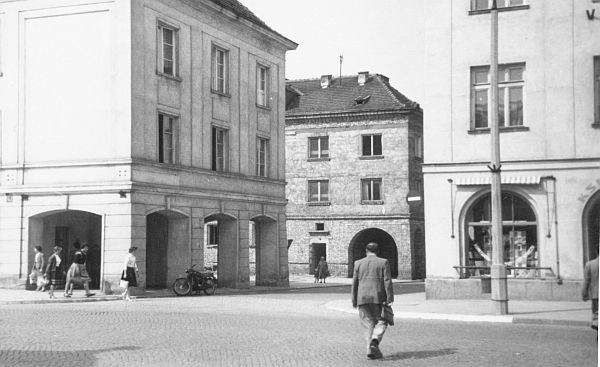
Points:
(195, 281)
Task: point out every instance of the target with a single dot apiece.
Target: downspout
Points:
(555, 215)
(21, 237)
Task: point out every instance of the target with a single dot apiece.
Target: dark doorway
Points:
(387, 248)
(419, 255)
(591, 223)
(157, 234)
(316, 251)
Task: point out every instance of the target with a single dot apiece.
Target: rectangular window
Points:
(213, 234)
(318, 190)
(220, 146)
(510, 95)
(597, 89)
(487, 4)
(419, 146)
(262, 151)
(220, 70)
(371, 145)
(371, 189)
(167, 50)
(319, 226)
(166, 138)
(262, 86)
(318, 147)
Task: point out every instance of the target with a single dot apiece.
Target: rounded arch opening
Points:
(591, 227)
(387, 248)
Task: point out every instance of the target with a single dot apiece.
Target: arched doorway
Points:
(519, 234)
(387, 248)
(265, 241)
(226, 248)
(591, 227)
(167, 247)
(65, 228)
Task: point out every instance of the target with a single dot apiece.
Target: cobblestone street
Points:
(280, 329)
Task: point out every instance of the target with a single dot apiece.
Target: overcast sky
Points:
(379, 36)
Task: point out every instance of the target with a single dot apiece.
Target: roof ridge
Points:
(408, 103)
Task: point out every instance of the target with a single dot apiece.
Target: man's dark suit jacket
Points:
(372, 281)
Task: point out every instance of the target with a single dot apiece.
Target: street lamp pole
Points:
(498, 269)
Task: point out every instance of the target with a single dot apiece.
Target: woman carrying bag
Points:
(54, 271)
(129, 275)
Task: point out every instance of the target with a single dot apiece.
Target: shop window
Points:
(519, 236)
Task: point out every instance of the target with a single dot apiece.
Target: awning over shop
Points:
(506, 180)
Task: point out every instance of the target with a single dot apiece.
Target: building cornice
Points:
(321, 117)
(522, 165)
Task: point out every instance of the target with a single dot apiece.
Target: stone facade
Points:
(115, 144)
(550, 159)
(340, 226)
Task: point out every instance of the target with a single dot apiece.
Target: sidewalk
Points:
(406, 306)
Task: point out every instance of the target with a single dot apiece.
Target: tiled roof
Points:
(376, 95)
(240, 10)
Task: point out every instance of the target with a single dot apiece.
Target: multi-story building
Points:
(136, 123)
(353, 168)
(549, 117)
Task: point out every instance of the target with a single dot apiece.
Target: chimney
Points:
(362, 77)
(325, 81)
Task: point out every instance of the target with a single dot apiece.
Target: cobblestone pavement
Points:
(283, 329)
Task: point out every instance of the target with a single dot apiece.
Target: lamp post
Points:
(498, 269)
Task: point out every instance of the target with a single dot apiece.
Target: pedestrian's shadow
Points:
(62, 358)
(419, 354)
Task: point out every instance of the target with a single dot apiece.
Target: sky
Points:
(378, 36)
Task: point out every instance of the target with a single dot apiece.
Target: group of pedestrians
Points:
(55, 276)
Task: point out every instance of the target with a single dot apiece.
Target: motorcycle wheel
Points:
(211, 286)
(182, 287)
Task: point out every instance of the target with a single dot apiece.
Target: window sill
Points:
(596, 125)
(264, 108)
(222, 94)
(169, 76)
(324, 159)
(370, 157)
(371, 202)
(503, 129)
(318, 233)
(507, 8)
(318, 203)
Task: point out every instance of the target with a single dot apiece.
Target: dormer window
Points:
(362, 77)
(362, 100)
(325, 81)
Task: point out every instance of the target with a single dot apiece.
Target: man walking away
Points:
(590, 288)
(371, 288)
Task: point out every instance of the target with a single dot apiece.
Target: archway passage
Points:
(387, 248)
(167, 248)
(591, 223)
(226, 248)
(266, 254)
(66, 228)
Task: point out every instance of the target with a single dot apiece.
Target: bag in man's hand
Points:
(387, 313)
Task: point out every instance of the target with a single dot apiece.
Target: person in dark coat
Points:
(78, 274)
(371, 288)
(590, 288)
(322, 270)
(54, 271)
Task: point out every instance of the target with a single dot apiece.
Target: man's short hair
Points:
(372, 247)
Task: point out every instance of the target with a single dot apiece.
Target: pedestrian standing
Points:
(322, 271)
(78, 273)
(129, 274)
(38, 268)
(590, 288)
(54, 271)
(371, 289)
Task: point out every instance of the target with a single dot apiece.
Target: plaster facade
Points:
(83, 147)
(550, 161)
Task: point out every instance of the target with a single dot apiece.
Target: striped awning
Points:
(505, 180)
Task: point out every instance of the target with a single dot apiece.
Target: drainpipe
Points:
(21, 237)
(555, 214)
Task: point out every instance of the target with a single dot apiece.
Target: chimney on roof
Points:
(325, 81)
(362, 77)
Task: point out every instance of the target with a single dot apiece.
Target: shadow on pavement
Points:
(419, 354)
(63, 358)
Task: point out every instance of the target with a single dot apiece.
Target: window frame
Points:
(212, 235)
(502, 5)
(320, 155)
(370, 182)
(596, 86)
(215, 158)
(262, 166)
(372, 145)
(320, 196)
(162, 154)
(505, 86)
(219, 83)
(160, 64)
(265, 90)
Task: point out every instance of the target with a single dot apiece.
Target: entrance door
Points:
(316, 251)
(157, 232)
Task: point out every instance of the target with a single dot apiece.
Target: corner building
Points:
(549, 116)
(353, 157)
(136, 123)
